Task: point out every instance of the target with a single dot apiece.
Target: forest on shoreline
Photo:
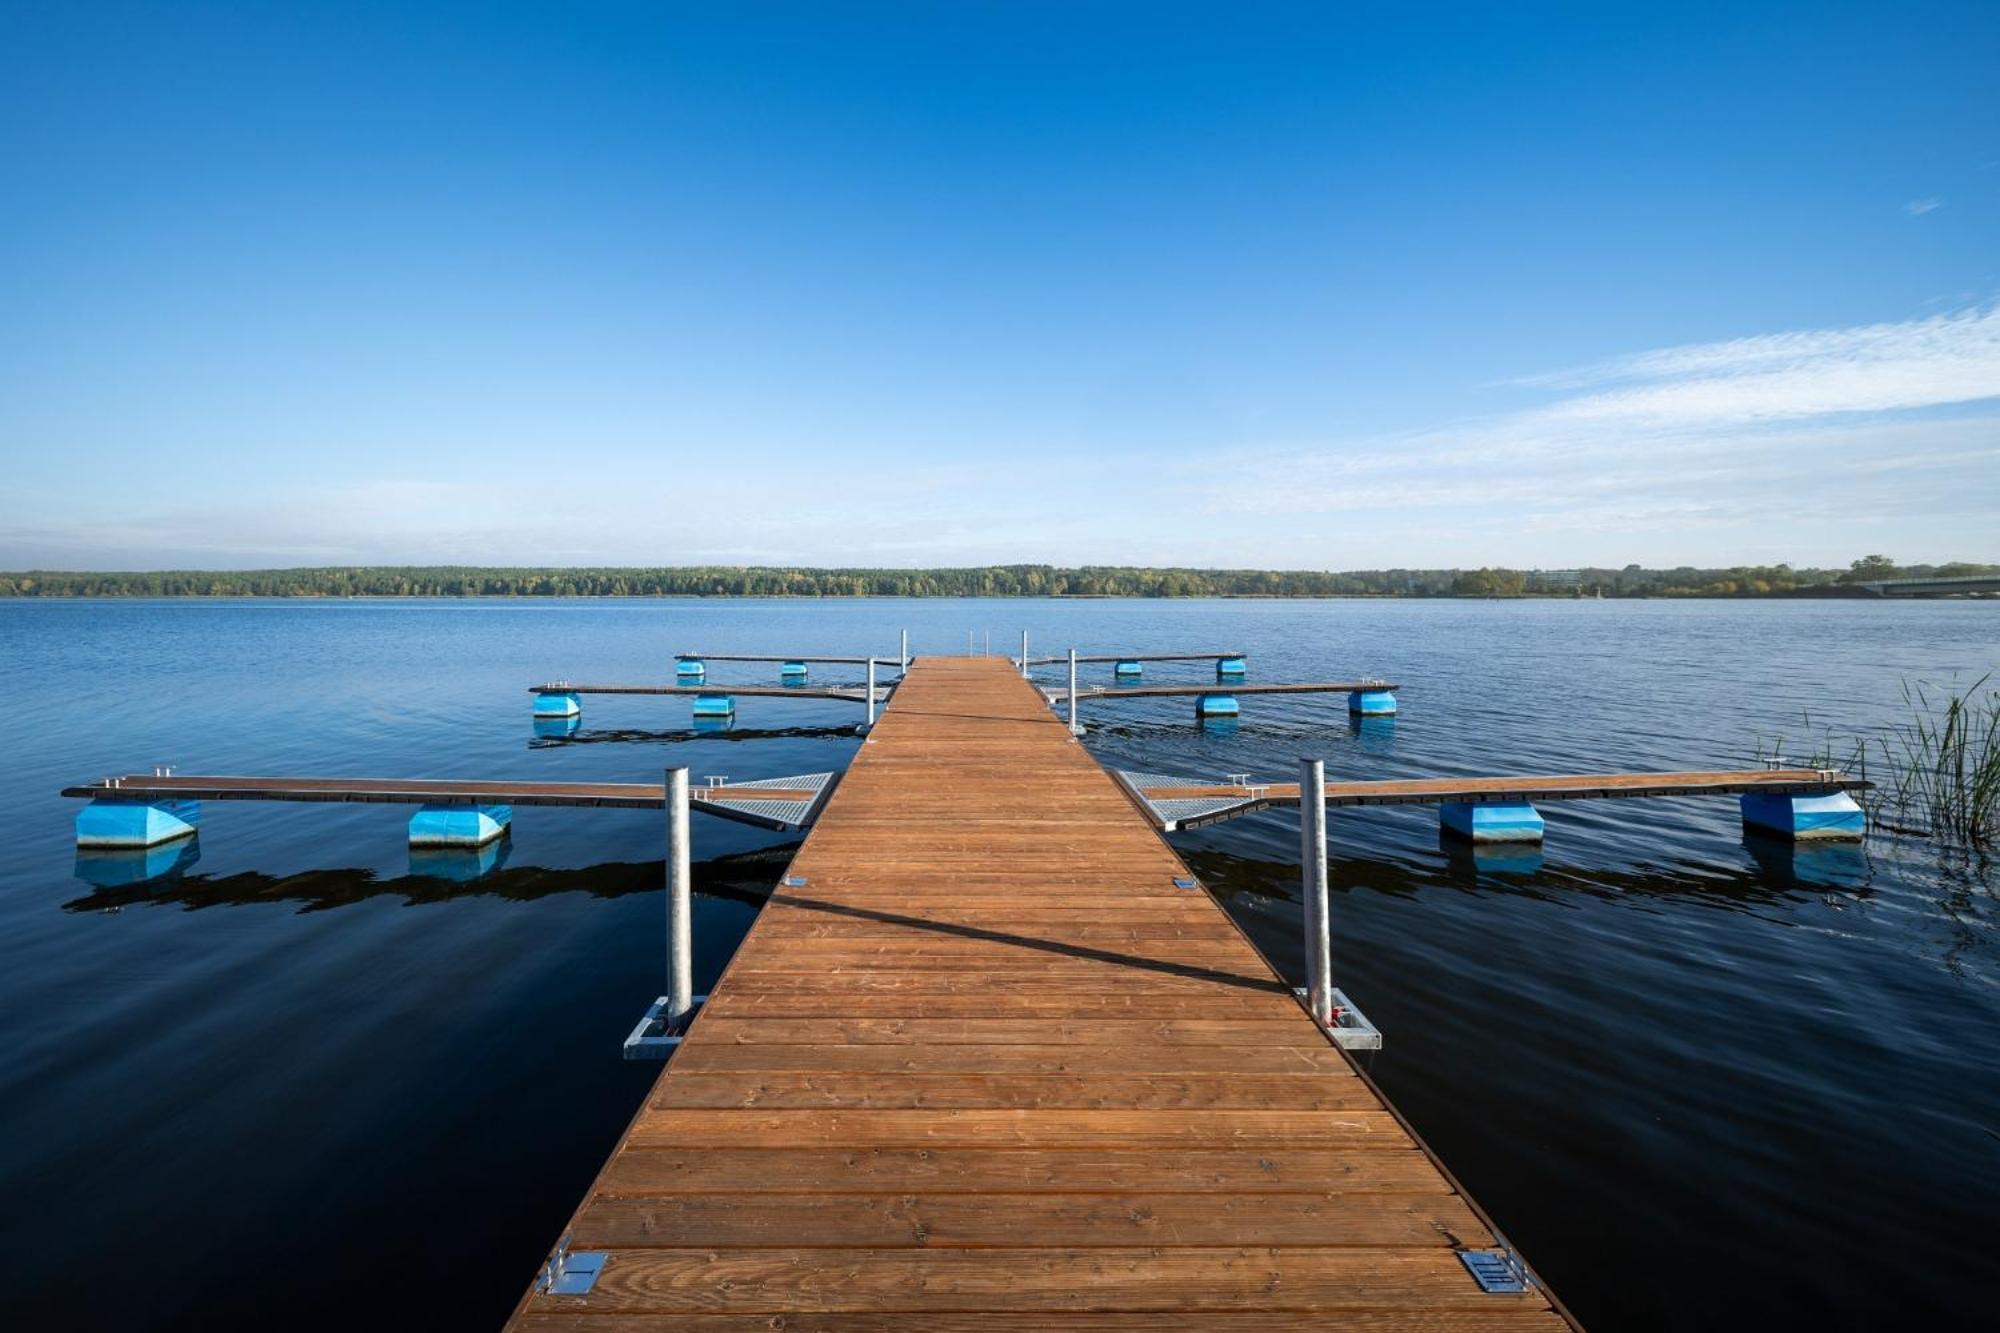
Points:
(979, 581)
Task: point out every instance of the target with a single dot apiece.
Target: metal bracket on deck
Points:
(567, 1274)
(739, 800)
(1351, 1030)
(1496, 1271)
(1169, 813)
(652, 1039)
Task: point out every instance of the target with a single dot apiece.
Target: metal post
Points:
(1024, 654)
(1312, 863)
(680, 908)
(1074, 729)
(906, 650)
(871, 696)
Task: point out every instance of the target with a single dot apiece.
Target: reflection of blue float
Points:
(1812, 864)
(114, 823)
(460, 865)
(708, 725)
(1372, 703)
(1495, 822)
(1375, 732)
(557, 727)
(1492, 858)
(558, 705)
(1230, 666)
(1832, 815)
(459, 825)
(116, 867)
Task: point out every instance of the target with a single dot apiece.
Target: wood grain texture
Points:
(987, 1067)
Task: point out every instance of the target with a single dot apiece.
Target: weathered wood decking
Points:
(989, 1068)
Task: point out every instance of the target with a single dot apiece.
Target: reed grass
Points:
(1944, 761)
(1939, 769)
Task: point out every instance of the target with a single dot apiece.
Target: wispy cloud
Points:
(1813, 429)
(1916, 208)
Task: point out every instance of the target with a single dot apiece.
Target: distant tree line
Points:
(983, 581)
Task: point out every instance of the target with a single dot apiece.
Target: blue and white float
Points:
(1128, 668)
(1827, 815)
(459, 825)
(1371, 703)
(792, 672)
(711, 706)
(114, 823)
(558, 704)
(1492, 821)
(690, 668)
(1231, 666)
(1207, 706)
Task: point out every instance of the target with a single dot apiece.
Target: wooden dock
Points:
(1178, 803)
(786, 803)
(853, 694)
(1057, 696)
(981, 1063)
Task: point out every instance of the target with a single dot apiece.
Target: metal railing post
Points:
(1312, 863)
(1024, 654)
(871, 696)
(1074, 729)
(905, 663)
(680, 906)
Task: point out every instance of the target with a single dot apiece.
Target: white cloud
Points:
(1810, 431)
(1916, 208)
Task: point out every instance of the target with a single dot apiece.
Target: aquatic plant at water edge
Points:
(1944, 761)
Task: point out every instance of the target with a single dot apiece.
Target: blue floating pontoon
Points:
(115, 823)
(459, 825)
(558, 705)
(1372, 703)
(1832, 815)
(1515, 822)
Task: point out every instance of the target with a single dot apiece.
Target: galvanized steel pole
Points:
(906, 650)
(680, 906)
(1074, 729)
(871, 696)
(1024, 654)
(1312, 863)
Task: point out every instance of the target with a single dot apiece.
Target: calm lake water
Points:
(310, 1076)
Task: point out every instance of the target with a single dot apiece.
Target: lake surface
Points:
(309, 1076)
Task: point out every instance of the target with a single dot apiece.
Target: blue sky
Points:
(1323, 286)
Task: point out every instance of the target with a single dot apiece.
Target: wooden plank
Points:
(1023, 1221)
(1025, 1128)
(933, 1032)
(1179, 1279)
(1511, 1319)
(1165, 1091)
(955, 1058)
(707, 1169)
(987, 1066)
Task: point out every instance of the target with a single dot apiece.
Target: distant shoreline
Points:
(998, 582)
